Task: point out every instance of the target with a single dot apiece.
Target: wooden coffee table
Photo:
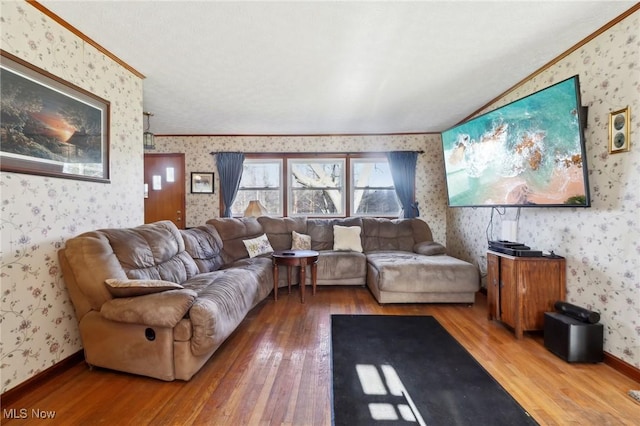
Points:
(300, 258)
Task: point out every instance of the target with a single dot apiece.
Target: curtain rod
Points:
(318, 154)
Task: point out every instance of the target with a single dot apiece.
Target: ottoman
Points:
(405, 277)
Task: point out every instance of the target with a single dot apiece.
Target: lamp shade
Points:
(255, 209)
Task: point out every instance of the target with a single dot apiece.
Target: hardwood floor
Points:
(276, 370)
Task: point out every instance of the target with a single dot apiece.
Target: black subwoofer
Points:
(573, 340)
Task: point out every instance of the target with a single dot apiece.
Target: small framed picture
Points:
(201, 183)
(619, 131)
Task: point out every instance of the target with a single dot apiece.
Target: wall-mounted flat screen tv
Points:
(529, 153)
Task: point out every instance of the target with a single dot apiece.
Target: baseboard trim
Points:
(621, 366)
(12, 395)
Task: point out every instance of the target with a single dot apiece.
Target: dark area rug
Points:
(400, 370)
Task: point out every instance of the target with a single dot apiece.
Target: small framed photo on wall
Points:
(619, 131)
(201, 183)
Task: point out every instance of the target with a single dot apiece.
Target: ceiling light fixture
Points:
(148, 138)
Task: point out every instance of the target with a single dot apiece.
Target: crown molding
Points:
(84, 37)
(557, 59)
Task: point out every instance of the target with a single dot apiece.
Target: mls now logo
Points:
(23, 413)
(393, 402)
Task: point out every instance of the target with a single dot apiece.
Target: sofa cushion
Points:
(386, 234)
(321, 231)
(204, 245)
(279, 229)
(415, 273)
(232, 232)
(87, 261)
(347, 238)
(300, 241)
(152, 251)
(224, 299)
(261, 270)
(164, 309)
(258, 246)
(341, 267)
(130, 288)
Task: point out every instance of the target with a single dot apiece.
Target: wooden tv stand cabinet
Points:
(521, 289)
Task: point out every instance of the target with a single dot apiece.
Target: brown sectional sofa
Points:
(400, 263)
(213, 284)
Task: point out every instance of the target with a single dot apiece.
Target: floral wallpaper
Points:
(38, 213)
(601, 243)
(430, 187)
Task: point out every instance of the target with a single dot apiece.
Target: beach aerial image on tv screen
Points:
(526, 153)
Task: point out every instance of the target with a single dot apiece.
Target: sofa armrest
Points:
(163, 309)
(429, 248)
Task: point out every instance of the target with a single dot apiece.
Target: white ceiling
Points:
(329, 67)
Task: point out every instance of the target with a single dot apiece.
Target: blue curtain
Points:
(230, 172)
(403, 172)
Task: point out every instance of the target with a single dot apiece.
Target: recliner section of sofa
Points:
(167, 335)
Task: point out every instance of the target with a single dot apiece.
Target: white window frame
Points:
(353, 188)
(280, 187)
(313, 159)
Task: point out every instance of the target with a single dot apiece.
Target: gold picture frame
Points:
(619, 140)
(51, 127)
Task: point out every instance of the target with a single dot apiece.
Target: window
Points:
(262, 181)
(316, 187)
(372, 190)
(337, 185)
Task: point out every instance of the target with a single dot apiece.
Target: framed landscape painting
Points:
(201, 183)
(50, 127)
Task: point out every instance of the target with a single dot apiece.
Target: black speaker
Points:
(576, 312)
(573, 340)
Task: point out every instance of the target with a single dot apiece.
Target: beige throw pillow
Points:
(347, 238)
(300, 241)
(257, 246)
(132, 288)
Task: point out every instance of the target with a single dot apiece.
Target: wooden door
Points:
(164, 188)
